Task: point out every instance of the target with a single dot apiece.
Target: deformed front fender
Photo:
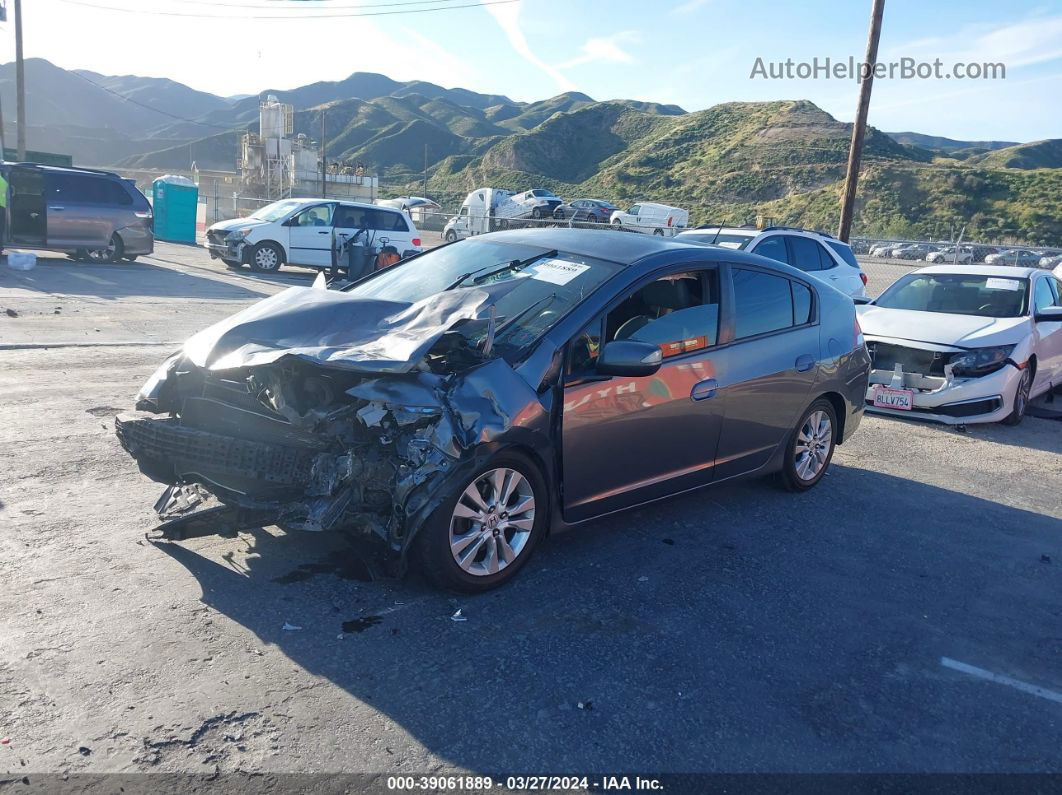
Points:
(485, 410)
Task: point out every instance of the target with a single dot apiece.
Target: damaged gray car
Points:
(459, 405)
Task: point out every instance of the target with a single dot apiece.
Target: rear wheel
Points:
(485, 532)
(810, 447)
(658, 232)
(1021, 397)
(267, 257)
(112, 253)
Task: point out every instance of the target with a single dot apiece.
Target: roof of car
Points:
(983, 270)
(341, 201)
(622, 247)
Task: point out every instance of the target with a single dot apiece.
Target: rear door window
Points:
(805, 253)
(384, 221)
(763, 303)
(772, 247)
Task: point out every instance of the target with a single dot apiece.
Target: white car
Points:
(819, 255)
(307, 231)
(652, 219)
(947, 254)
(538, 203)
(962, 344)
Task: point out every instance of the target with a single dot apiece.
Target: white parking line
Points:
(981, 673)
(94, 279)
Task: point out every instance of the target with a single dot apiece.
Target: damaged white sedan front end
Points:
(964, 344)
(943, 383)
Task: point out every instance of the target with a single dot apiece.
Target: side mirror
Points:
(629, 357)
(1050, 314)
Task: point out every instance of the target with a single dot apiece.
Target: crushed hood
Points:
(235, 223)
(334, 328)
(961, 331)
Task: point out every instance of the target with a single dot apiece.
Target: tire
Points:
(106, 256)
(130, 258)
(267, 257)
(617, 222)
(459, 521)
(450, 236)
(658, 232)
(1021, 397)
(802, 467)
(536, 212)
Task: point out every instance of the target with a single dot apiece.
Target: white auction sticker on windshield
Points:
(555, 271)
(1002, 284)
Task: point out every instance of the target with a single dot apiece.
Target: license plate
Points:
(887, 397)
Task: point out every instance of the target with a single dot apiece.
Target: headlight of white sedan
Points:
(981, 361)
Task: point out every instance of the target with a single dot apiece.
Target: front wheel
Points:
(267, 258)
(810, 447)
(450, 236)
(485, 532)
(1021, 397)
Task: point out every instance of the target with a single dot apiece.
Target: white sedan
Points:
(964, 343)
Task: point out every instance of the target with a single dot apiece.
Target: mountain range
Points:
(731, 162)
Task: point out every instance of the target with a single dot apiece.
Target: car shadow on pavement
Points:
(54, 275)
(1035, 433)
(736, 629)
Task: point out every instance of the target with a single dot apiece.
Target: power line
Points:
(318, 5)
(149, 107)
(158, 12)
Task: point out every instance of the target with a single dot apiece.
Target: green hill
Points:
(1038, 154)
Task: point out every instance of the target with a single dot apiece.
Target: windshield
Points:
(724, 239)
(276, 210)
(529, 299)
(958, 294)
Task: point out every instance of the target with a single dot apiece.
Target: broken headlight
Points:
(980, 361)
(149, 392)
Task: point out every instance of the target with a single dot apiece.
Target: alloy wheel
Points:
(1021, 398)
(492, 522)
(812, 449)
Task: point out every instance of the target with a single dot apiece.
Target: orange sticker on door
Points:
(683, 346)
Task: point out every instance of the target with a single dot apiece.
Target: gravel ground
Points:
(736, 629)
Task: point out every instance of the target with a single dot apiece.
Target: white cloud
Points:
(690, 6)
(508, 18)
(607, 49)
(1024, 43)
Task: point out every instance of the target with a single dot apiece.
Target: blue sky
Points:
(695, 53)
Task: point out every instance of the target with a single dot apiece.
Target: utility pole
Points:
(425, 188)
(855, 151)
(20, 81)
(324, 153)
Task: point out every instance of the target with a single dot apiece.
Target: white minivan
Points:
(652, 219)
(306, 232)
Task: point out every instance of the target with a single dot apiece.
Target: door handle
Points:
(323, 232)
(704, 389)
(805, 363)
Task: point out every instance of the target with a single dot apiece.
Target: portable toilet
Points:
(174, 202)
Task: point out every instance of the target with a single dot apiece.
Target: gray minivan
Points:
(88, 214)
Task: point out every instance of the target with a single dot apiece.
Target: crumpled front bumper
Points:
(298, 487)
(223, 248)
(953, 401)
